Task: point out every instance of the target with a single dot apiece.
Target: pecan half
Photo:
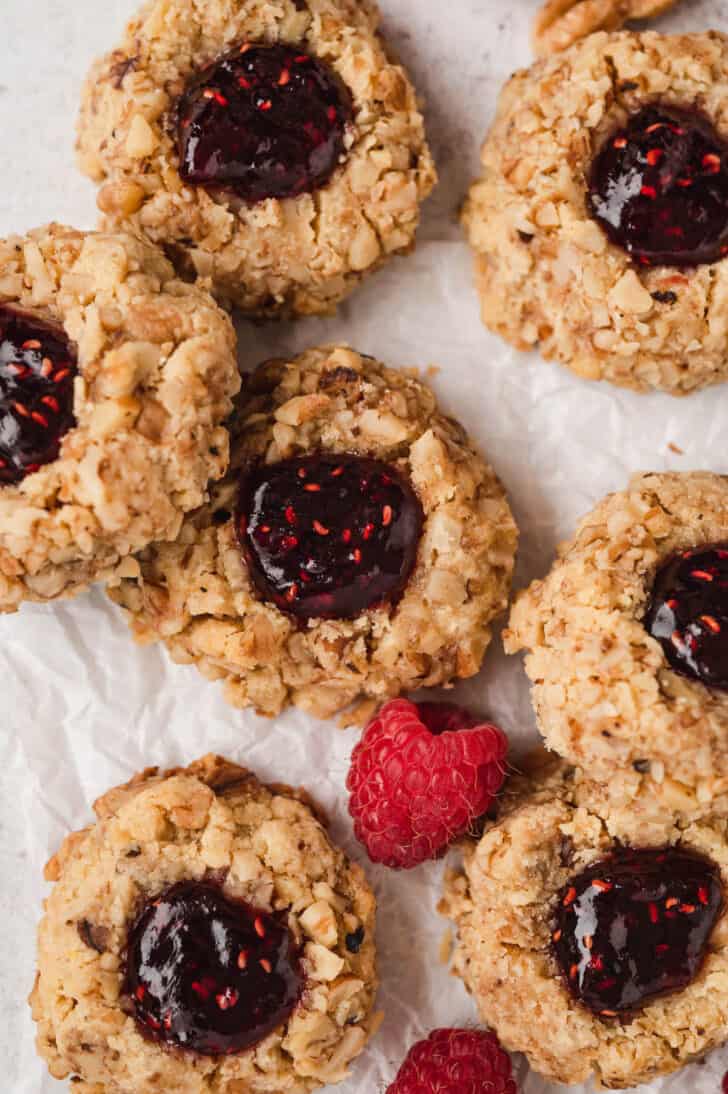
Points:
(560, 23)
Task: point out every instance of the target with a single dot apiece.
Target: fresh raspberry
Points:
(419, 777)
(455, 1061)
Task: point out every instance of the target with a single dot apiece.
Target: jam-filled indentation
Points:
(329, 536)
(659, 188)
(263, 121)
(208, 973)
(37, 371)
(635, 926)
(688, 613)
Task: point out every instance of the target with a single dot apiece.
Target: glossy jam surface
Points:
(659, 188)
(329, 536)
(635, 926)
(263, 121)
(688, 614)
(210, 974)
(37, 370)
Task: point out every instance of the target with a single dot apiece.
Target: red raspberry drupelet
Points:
(455, 1061)
(421, 775)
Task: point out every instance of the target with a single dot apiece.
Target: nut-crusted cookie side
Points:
(546, 273)
(503, 905)
(605, 694)
(300, 254)
(156, 375)
(262, 845)
(197, 594)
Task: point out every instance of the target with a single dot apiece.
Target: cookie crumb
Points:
(357, 716)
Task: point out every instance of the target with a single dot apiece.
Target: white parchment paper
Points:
(82, 709)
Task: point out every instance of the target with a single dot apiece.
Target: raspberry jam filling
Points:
(263, 121)
(688, 613)
(636, 926)
(37, 369)
(208, 973)
(659, 188)
(329, 536)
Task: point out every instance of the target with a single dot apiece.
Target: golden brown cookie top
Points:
(220, 860)
(561, 268)
(538, 910)
(142, 387)
(609, 693)
(400, 490)
(274, 149)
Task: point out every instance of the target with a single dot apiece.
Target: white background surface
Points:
(82, 709)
